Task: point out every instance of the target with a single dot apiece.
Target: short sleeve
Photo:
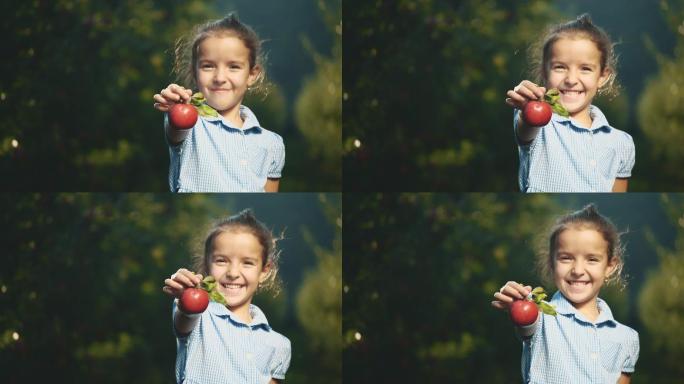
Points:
(277, 158)
(627, 157)
(632, 352)
(281, 362)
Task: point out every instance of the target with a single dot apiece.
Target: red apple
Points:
(524, 312)
(194, 300)
(183, 116)
(537, 113)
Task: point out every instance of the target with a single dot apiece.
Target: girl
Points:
(583, 343)
(230, 152)
(580, 153)
(232, 343)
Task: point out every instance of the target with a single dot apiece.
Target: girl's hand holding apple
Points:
(171, 95)
(180, 281)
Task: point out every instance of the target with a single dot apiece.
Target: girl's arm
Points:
(625, 378)
(174, 286)
(274, 381)
(185, 323)
(518, 97)
(272, 185)
(620, 185)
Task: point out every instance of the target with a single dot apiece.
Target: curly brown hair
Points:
(245, 221)
(586, 218)
(186, 50)
(539, 52)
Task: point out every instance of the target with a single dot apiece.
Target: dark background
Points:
(77, 80)
(80, 287)
(420, 271)
(424, 87)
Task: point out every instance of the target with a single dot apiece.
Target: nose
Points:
(220, 75)
(233, 271)
(571, 77)
(577, 268)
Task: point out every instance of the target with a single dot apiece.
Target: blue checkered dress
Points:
(569, 349)
(223, 349)
(217, 157)
(567, 158)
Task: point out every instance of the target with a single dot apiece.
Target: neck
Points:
(233, 116)
(583, 118)
(242, 313)
(588, 309)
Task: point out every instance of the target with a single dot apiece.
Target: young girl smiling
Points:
(582, 152)
(583, 343)
(229, 152)
(231, 343)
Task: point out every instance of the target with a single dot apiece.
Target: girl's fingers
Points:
(161, 107)
(185, 279)
(198, 278)
(516, 99)
(521, 289)
(171, 95)
(503, 298)
(499, 305)
(525, 92)
(172, 284)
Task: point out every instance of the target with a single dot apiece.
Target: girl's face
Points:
(574, 68)
(223, 72)
(237, 266)
(581, 265)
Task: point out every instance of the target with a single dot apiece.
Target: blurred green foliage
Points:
(80, 287)
(424, 84)
(661, 303)
(76, 94)
(420, 271)
(661, 108)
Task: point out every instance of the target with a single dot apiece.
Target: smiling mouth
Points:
(574, 283)
(571, 92)
(232, 287)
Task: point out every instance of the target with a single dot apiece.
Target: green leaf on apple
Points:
(552, 97)
(547, 308)
(209, 284)
(538, 296)
(200, 102)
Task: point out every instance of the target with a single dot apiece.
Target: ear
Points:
(604, 77)
(265, 273)
(254, 75)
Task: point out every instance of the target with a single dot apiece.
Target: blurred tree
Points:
(420, 271)
(318, 109)
(319, 303)
(75, 103)
(661, 112)
(661, 305)
(424, 91)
